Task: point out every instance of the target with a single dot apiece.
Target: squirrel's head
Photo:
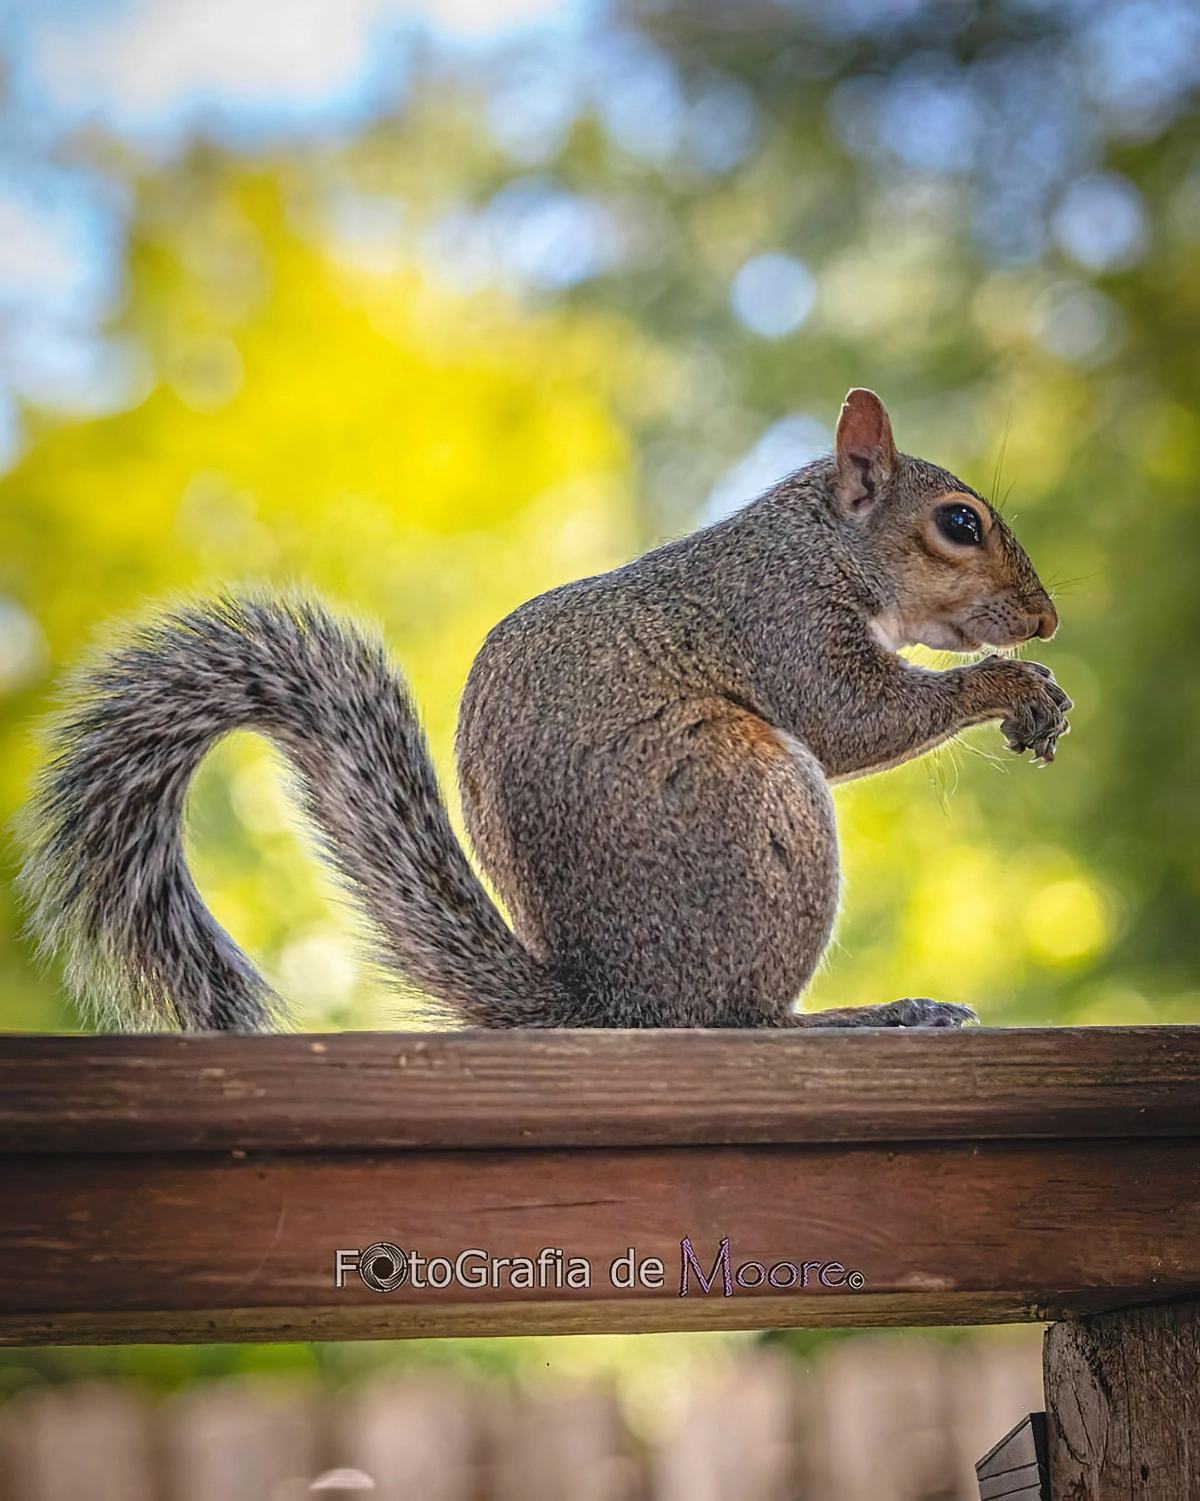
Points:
(957, 578)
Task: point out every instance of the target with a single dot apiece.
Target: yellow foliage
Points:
(425, 460)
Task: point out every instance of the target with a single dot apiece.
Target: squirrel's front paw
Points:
(1036, 707)
(920, 1011)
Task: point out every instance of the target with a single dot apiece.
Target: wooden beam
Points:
(939, 1233)
(201, 1188)
(281, 1324)
(392, 1091)
(1123, 1405)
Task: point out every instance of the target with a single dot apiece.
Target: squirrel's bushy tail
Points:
(106, 876)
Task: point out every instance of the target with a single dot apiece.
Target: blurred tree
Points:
(425, 459)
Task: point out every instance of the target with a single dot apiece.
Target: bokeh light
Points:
(772, 294)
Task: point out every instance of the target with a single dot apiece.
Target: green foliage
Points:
(650, 1372)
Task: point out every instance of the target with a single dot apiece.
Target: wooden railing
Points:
(355, 1185)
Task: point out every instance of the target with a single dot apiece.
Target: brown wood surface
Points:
(1123, 1405)
(171, 1187)
(391, 1091)
(283, 1325)
(226, 1244)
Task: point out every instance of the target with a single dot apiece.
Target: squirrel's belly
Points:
(679, 865)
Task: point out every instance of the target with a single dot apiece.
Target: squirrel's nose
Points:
(1047, 622)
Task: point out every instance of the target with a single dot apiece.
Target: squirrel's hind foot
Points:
(920, 1011)
(911, 1011)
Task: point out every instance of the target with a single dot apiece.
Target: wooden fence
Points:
(870, 1419)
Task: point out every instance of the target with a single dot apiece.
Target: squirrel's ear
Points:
(863, 451)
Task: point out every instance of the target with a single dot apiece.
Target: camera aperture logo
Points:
(385, 1267)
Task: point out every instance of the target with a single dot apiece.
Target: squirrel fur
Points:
(644, 761)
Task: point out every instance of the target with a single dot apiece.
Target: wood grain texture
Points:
(1016, 1469)
(1123, 1405)
(393, 1091)
(172, 1187)
(941, 1232)
(282, 1324)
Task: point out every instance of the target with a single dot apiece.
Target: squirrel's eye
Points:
(960, 524)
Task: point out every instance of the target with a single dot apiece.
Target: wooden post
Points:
(1123, 1405)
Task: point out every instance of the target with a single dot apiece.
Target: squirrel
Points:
(645, 760)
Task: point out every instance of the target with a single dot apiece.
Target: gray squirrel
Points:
(644, 759)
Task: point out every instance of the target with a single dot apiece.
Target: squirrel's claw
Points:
(920, 1011)
(1039, 720)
